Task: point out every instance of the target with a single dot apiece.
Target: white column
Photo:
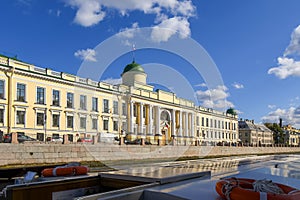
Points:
(173, 123)
(157, 120)
(141, 118)
(131, 117)
(186, 124)
(180, 123)
(192, 125)
(150, 119)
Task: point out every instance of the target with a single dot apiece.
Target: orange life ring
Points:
(241, 188)
(65, 171)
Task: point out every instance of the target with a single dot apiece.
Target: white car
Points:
(57, 139)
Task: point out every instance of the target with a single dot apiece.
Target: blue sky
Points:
(254, 44)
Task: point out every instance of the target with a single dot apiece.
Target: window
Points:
(115, 125)
(83, 122)
(40, 95)
(1, 115)
(116, 107)
(70, 100)
(40, 119)
(69, 121)
(105, 124)
(1, 89)
(105, 106)
(197, 120)
(21, 92)
(82, 102)
(55, 120)
(202, 121)
(207, 122)
(55, 98)
(20, 117)
(94, 123)
(144, 111)
(124, 109)
(94, 104)
(134, 110)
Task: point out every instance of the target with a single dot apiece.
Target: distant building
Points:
(291, 135)
(44, 103)
(254, 134)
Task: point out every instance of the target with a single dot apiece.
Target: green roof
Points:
(133, 67)
(231, 111)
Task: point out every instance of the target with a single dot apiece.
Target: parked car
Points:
(21, 138)
(85, 140)
(137, 141)
(57, 139)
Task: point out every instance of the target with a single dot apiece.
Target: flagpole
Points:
(133, 52)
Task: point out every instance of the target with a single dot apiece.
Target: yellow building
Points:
(44, 103)
(291, 135)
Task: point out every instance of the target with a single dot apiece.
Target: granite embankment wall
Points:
(37, 154)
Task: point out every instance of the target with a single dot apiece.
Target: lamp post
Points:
(45, 125)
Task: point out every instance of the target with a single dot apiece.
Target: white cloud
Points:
(294, 46)
(86, 54)
(238, 85)
(89, 12)
(113, 81)
(214, 98)
(129, 32)
(289, 116)
(201, 85)
(288, 65)
(168, 27)
(272, 106)
(170, 14)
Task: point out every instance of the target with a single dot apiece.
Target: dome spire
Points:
(133, 53)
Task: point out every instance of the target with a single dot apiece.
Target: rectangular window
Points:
(1, 115)
(215, 123)
(105, 106)
(219, 124)
(40, 95)
(134, 110)
(211, 123)
(40, 119)
(82, 122)
(124, 109)
(1, 89)
(70, 121)
(197, 121)
(202, 121)
(82, 102)
(115, 125)
(94, 124)
(105, 124)
(21, 92)
(95, 104)
(55, 98)
(207, 122)
(144, 111)
(116, 107)
(70, 100)
(20, 117)
(55, 120)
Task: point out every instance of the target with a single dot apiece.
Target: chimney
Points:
(280, 122)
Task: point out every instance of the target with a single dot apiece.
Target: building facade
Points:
(254, 134)
(291, 135)
(44, 103)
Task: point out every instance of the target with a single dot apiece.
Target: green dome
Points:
(231, 111)
(133, 67)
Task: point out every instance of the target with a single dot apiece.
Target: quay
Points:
(37, 154)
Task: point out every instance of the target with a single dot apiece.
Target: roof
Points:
(133, 67)
(231, 111)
